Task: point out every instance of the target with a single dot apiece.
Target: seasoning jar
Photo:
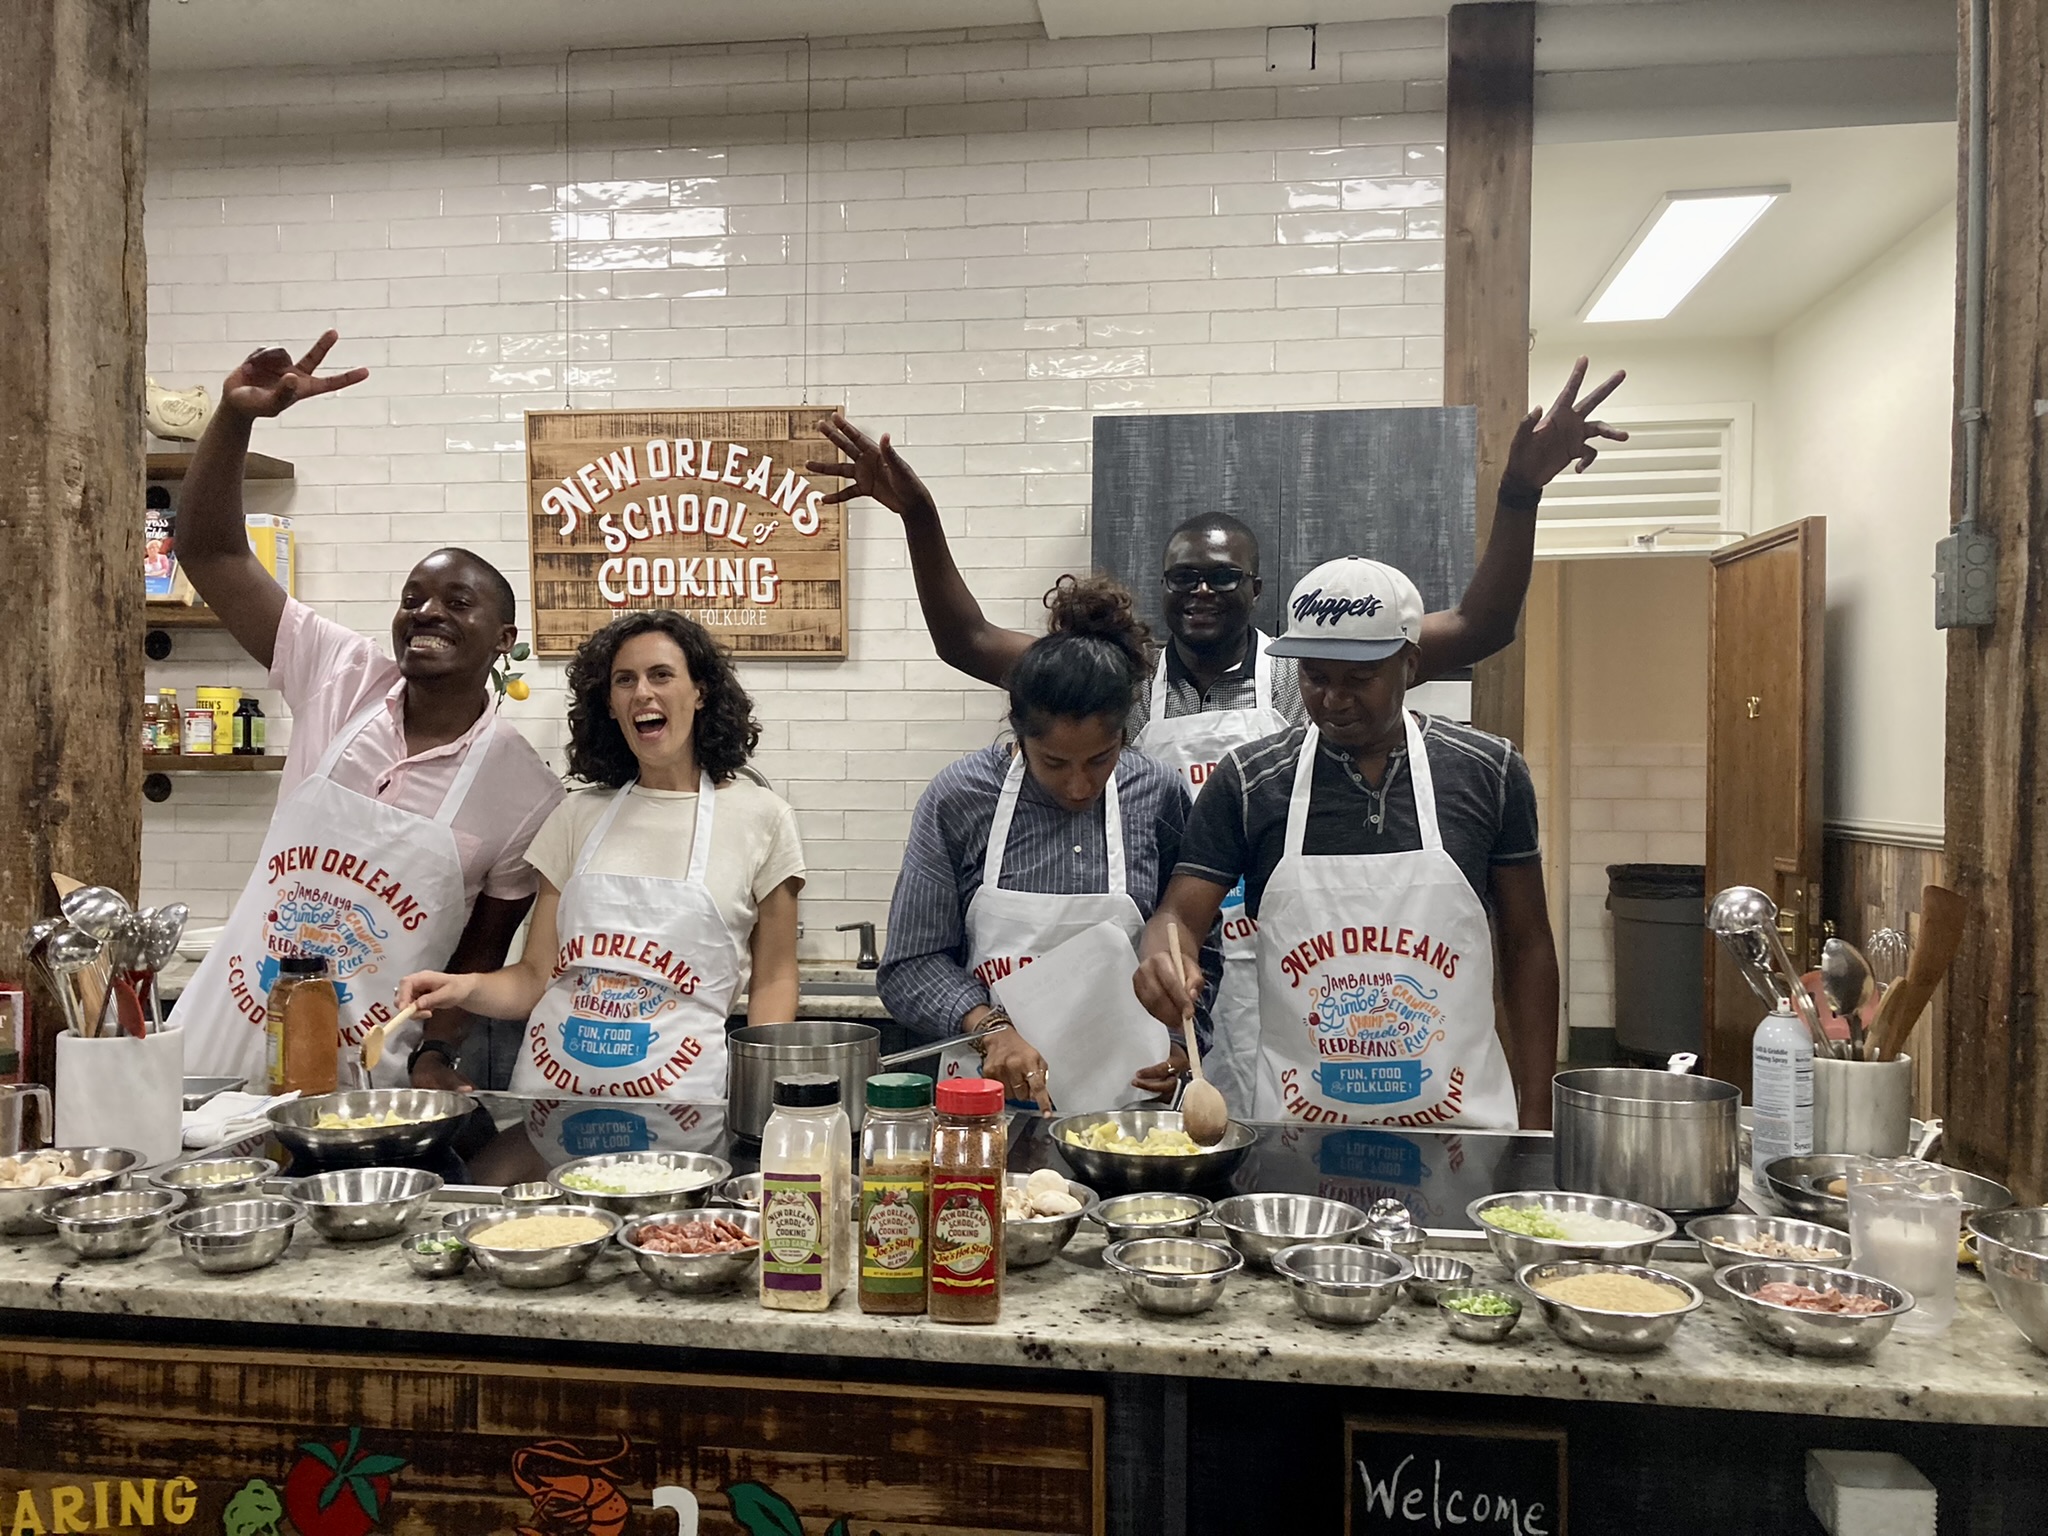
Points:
(250, 729)
(197, 740)
(968, 1154)
(168, 723)
(806, 1189)
(149, 724)
(302, 1027)
(895, 1192)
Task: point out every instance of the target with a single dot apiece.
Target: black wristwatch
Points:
(440, 1048)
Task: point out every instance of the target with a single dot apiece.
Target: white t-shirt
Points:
(754, 845)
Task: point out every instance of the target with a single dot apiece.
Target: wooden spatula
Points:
(1942, 913)
(1203, 1113)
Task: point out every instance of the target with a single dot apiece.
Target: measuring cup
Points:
(1905, 1218)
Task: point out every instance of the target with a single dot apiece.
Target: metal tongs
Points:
(1745, 920)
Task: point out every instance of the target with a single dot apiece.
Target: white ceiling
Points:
(1855, 192)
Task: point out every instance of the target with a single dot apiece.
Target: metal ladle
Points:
(1847, 984)
(1743, 912)
(96, 910)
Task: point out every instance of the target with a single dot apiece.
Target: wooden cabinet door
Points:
(1767, 604)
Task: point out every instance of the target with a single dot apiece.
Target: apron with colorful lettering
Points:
(376, 890)
(1192, 745)
(563, 1130)
(645, 973)
(1376, 979)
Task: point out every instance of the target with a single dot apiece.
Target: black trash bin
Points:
(1659, 916)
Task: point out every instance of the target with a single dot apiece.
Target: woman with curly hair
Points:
(1026, 844)
(666, 891)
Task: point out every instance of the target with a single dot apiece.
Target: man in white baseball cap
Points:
(1381, 851)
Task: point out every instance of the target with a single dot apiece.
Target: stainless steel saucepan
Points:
(1657, 1138)
(759, 1053)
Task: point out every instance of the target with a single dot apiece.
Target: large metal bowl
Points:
(1718, 1235)
(1833, 1335)
(1119, 1173)
(116, 1224)
(1799, 1185)
(690, 1274)
(705, 1172)
(25, 1212)
(536, 1269)
(240, 1235)
(215, 1180)
(1616, 1333)
(359, 1205)
(1514, 1250)
(1178, 1276)
(2012, 1249)
(1029, 1241)
(1342, 1282)
(1259, 1226)
(432, 1117)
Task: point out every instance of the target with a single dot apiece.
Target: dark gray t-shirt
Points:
(1486, 807)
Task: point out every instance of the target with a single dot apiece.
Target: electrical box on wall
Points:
(1965, 572)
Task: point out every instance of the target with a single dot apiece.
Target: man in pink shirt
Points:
(400, 834)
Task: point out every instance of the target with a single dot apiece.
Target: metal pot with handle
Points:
(1661, 1139)
(757, 1054)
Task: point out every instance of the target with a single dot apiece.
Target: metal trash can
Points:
(1659, 959)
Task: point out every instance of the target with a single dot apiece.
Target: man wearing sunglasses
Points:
(1215, 686)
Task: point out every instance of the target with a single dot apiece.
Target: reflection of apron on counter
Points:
(1007, 930)
(646, 971)
(1376, 978)
(376, 890)
(563, 1130)
(1192, 745)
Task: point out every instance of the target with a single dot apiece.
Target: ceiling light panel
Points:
(1677, 246)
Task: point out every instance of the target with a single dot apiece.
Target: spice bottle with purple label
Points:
(806, 1195)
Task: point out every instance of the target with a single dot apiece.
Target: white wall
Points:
(1862, 396)
(986, 239)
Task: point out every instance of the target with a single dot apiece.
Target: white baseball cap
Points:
(1351, 610)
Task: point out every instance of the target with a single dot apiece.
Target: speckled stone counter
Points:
(1068, 1316)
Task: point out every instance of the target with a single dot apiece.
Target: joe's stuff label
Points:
(792, 1223)
(967, 1225)
(892, 1227)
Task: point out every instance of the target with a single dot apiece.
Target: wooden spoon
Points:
(1203, 1113)
(1942, 913)
(373, 1042)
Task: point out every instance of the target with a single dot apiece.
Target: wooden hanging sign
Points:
(710, 512)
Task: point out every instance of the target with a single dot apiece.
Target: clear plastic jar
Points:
(969, 1151)
(895, 1193)
(806, 1189)
(302, 1027)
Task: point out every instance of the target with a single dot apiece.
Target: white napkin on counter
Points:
(230, 1116)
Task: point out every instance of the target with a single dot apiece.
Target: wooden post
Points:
(1489, 119)
(73, 75)
(1997, 771)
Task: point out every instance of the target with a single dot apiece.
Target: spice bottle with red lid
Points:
(969, 1151)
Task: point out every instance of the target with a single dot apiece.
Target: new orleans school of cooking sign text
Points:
(710, 512)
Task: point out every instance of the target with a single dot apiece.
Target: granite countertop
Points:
(1067, 1315)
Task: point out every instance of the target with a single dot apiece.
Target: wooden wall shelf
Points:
(222, 762)
(260, 466)
(179, 616)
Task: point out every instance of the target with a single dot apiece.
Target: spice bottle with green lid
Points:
(806, 1192)
(895, 1198)
(969, 1151)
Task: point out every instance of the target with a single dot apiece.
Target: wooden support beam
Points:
(1997, 769)
(1488, 127)
(73, 74)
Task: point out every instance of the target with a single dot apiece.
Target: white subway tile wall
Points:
(1632, 803)
(974, 240)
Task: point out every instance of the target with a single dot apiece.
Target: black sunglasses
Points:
(1217, 578)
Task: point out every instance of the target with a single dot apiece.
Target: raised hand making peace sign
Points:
(1548, 441)
(268, 381)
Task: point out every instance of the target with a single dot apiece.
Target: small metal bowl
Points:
(1178, 1276)
(742, 1191)
(1154, 1213)
(690, 1274)
(1832, 1335)
(1435, 1273)
(1717, 1236)
(537, 1269)
(434, 1263)
(1618, 1333)
(356, 1205)
(1478, 1327)
(1259, 1226)
(240, 1235)
(704, 1172)
(215, 1180)
(1514, 1250)
(24, 1212)
(1342, 1282)
(115, 1224)
(1029, 1241)
(531, 1196)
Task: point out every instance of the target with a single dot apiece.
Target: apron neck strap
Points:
(1419, 776)
(700, 836)
(355, 727)
(472, 758)
(1262, 672)
(1006, 812)
(1159, 684)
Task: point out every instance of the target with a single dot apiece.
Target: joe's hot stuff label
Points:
(792, 1232)
(967, 1224)
(892, 1235)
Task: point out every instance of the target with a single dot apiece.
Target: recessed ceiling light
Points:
(1680, 243)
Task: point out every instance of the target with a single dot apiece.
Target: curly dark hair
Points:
(726, 731)
(1090, 661)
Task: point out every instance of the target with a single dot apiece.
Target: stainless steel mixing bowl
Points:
(690, 1274)
(1835, 1335)
(1119, 1173)
(536, 1269)
(1718, 1235)
(1514, 1249)
(431, 1118)
(1342, 1282)
(115, 1224)
(24, 1212)
(1434, 1274)
(2012, 1249)
(215, 1180)
(703, 1172)
(1148, 1213)
(1612, 1332)
(1029, 1241)
(1802, 1186)
(240, 1235)
(1178, 1276)
(356, 1205)
(1259, 1226)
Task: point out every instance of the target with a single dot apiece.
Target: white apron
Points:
(644, 976)
(376, 890)
(563, 1130)
(1192, 745)
(1376, 979)
(1007, 930)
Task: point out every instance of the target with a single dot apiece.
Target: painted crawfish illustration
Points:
(573, 1494)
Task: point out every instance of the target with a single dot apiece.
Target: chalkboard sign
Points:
(1478, 1479)
(1394, 485)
